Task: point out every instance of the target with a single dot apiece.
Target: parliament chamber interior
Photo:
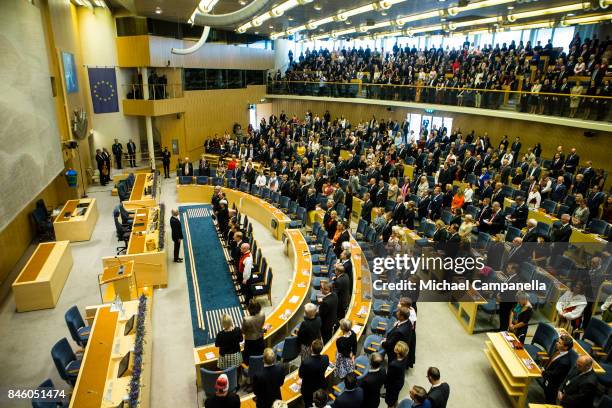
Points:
(257, 203)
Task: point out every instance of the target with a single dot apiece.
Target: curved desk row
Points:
(286, 315)
(358, 312)
(253, 207)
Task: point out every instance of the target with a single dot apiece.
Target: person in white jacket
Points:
(571, 305)
(261, 179)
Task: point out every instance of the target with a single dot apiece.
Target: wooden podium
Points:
(121, 282)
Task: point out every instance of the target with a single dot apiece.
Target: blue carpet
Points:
(207, 275)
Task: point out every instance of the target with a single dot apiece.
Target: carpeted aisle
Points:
(211, 290)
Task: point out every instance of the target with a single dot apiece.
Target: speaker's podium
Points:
(118, 280)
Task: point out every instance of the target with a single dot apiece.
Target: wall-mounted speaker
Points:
(589, 133)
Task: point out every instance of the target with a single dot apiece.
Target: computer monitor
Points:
(124, 365)
(129, 325)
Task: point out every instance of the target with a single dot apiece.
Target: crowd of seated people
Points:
(301, 159)
(469, 76)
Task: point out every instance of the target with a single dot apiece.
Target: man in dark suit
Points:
(495, 224)
(117, 149)
(487, 190)
(556, 368)
(572, 161)
(564, 232)
(328, 311)
(381, 194)
(439, 391)
(559, 190)
(579, 387)
(498, 194)
(342, 287)
(177, 234)
(312, 372)
(352, 396)
(366, 208)
(453, 241)
(166, 162)
(435, 206)
(187, 168)
(101, 162)
(373, 382)
(401, 331)
(588, 172)
(507, 299)
(267, 383)
(518, 218)
(531, 235)
(131, 148)
(399, 211)
(516, 148)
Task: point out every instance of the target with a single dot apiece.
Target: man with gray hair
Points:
(245, 266)
(579, 387)
(531, 234)
(564, 232)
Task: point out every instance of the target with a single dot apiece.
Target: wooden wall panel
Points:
(550, 136)
(210, 112)
(140, 107)
(133, 51)
(172, 127)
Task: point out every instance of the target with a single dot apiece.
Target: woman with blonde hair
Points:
(346, 349)
(395, 241)
(228, 341)
(393, 189)
(396, 373)
(465, 230)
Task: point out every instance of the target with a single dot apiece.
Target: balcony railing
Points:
(156, 91)
(576, 104)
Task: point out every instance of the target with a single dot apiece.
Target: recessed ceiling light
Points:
(317, 6)
(442, 19)
(321, 30)
(158, 10)
(242, 2)
(271, 27)
(348, 22)
(256, 32)
(510, 7)
(383, 13)
(290, 18)
(571, 14)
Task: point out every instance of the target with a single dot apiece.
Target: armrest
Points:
(542, 353)
(357, 373)
(332, 397)
(360, 366)
(336, 389)
(244, 366)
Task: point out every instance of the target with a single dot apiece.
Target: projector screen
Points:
(30, 151)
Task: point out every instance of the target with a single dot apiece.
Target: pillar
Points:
(148, 122)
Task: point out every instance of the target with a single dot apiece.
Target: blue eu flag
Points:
(103, 86)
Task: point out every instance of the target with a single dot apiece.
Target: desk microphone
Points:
(121, 266)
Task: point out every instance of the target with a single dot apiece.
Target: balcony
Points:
(164, 99)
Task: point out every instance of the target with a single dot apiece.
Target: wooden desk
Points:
(253, 207)
(121, 282)
(144, 249)
(42, 279)
(69, 226)
(466, 309)
(286, 314)
(139, 197)
(358, 312)
(97, 384)
(514, 368)
(544, 406)
(582, 352)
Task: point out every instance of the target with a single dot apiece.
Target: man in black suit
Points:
(531, 235)
(366, 208)
(401, 331)
(328, 311)
(177, 234)
(388, 228)
(131, 148)
(381, 194)
(558, 190)
(572, 161)
(342, 287)
(564, 232)
(312, 372)
(373, 382)
(579, 387)
(101, 162)
(267, 383)
(487, 190)
(507, 299)
(484, 214)
(117, 149)
(166, 162)
(453, 241)
(518, 218)
(498, 194)
(439, 391)
(187, 168)
(556, 368)
(435, 206)
(495, 224)
(352, 396)
(399, 211)
(588, 172)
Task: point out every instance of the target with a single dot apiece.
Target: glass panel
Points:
(437, 122)
(415, 127)
(216, 78)
(195, 79)
(448, 124)
(255, 77)
(543, 35)
(563, 36)
(234, 78)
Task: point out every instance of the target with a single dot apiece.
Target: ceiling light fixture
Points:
(317, 6)
(99, 3)
(586, 20)
(551, 10)
(242, 3)
(453, 11)
(158, 10)
(206, 6)
(276, 11)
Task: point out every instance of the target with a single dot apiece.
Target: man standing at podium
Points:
(177, 234)
(131, 148)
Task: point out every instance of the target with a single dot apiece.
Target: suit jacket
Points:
(399, 213)
(371, 385)
(401, 332)
(558, 192)
(561, 234)
(267, 385)
(579, 389)
(175, 226)
(435, 206)
(349, 399)
(366, 210)
(497, 223)
(344, 237)
(328, 311)
(131, 147)
(555, 372)
(438, 396)
(312, 373)
(189, 167)
(530, 236)
(498, 196)
(342, 288)
(520, 215)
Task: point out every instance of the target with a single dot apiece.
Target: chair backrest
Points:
(598, 332)
(301, 214)
(561, 209)
(341, 210)
(483, 240)
(268, 280)
(549, 206)
(543, 228)
(291, 349)
(511, 233)
(446, 216)
(316, 227)
(185, 180)
(244, 186)
(265, 192)
(209, 379)
(217, 181)
(62, 355)
(43, 402)
(74, 321)
(545, 336)
(275, 195)
(527, 271)
(283, 202)
(256, 365)
(370, 234)
(598, 226)
(361, 226)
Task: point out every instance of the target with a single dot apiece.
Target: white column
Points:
(148, 122)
